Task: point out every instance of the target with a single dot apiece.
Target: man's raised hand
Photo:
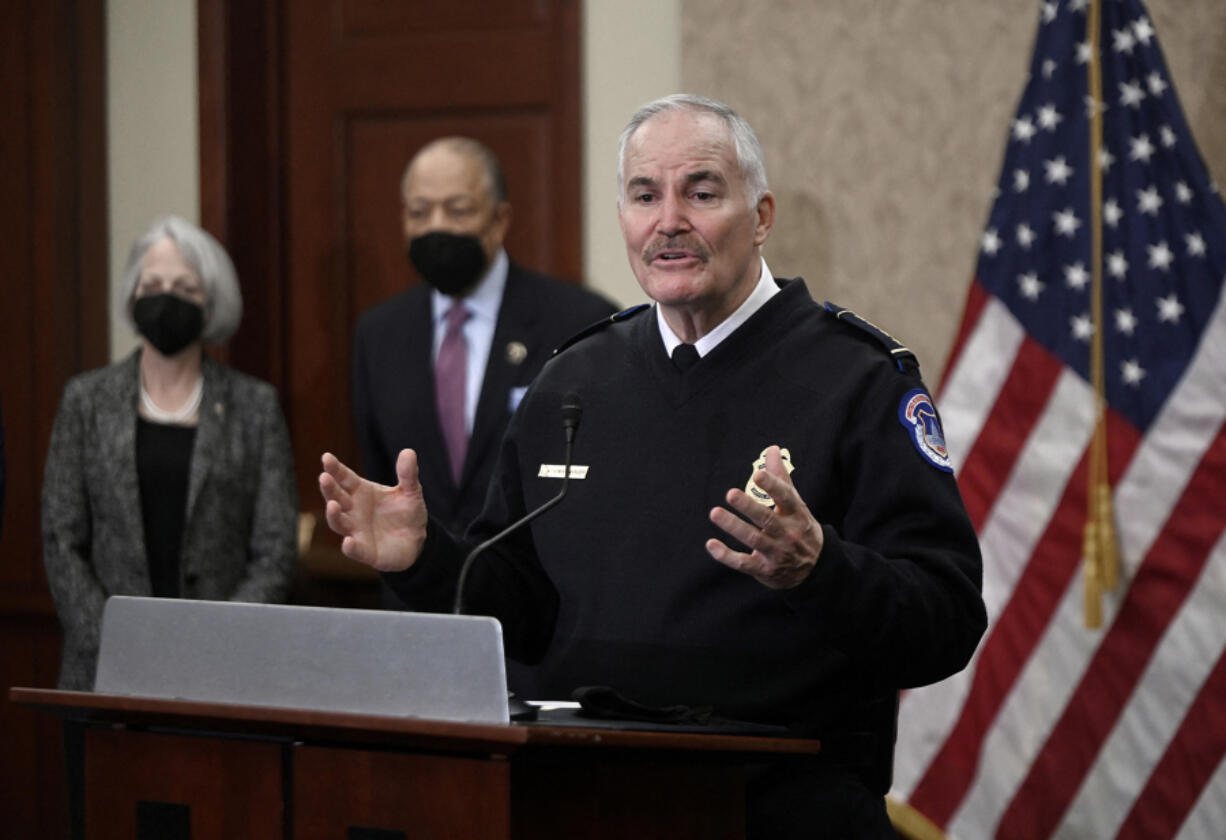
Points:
(784, 540)
(383, 527)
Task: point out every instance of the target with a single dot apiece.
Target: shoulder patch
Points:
(919, 417)
(903, 358)
(592, 329)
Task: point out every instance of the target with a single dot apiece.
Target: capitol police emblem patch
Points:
(919, 417)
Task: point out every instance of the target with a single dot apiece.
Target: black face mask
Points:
(450, 262)
(168, 321)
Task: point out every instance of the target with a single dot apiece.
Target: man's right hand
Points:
(383, 527)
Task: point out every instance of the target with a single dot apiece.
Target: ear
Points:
(502, 219)
(766, 217)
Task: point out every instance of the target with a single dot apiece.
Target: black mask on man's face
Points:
(168, 321)
(450, 262)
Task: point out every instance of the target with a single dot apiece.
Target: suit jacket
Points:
(393, 384)
(240, 530)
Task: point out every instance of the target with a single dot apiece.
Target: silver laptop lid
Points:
(426, 665)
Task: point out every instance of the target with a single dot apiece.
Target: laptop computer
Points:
(426, 665)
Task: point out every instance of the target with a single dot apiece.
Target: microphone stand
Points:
(571, 412)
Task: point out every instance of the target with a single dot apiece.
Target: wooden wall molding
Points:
(54, 268)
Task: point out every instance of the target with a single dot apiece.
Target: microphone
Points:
(572, 413)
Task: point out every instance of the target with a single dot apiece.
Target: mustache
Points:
(677, 244)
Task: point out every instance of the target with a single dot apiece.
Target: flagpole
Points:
(1099, 544)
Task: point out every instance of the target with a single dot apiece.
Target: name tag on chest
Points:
(558, 470)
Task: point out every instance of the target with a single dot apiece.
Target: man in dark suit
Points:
(456, 214)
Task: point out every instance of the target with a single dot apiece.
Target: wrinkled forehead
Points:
(681, 141)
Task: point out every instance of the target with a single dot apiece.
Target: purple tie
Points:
(450, 378)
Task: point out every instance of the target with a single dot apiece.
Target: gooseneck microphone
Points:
(572, 412)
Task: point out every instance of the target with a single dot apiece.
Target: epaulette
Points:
(591, 329)
(902, 355)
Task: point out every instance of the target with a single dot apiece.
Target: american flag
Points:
(1057, 730)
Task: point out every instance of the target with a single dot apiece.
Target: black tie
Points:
(685, 357)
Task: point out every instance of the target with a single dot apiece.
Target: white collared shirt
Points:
(764, 291)
(484, 303)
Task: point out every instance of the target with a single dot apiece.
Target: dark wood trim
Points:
(56, 266)
(420, 733)
(241, 190)
(90, 189)
(211, 22)
(55, 269)
(567, 239)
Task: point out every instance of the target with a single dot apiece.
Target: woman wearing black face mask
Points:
(168, 473)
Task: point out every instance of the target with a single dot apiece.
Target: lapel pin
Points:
(516, 352)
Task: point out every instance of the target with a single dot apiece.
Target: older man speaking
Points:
(766, 522)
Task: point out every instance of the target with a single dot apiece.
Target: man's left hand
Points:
(785, 540)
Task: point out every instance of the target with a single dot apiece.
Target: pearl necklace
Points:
(180, 415)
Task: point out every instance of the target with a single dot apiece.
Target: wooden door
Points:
(337, 95)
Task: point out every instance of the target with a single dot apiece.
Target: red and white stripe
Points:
(1055, 730)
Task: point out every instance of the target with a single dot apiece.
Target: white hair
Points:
(748, 149)
(223, 302)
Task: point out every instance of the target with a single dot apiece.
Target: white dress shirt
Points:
(764, 291)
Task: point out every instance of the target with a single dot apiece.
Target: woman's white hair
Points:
(223, 302)
(748, 149)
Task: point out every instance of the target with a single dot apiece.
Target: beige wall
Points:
(617, 79)
(152, 131)
(884, 122)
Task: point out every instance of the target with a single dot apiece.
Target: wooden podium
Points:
(174, 770)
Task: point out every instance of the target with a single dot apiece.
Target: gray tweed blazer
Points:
(239, 540)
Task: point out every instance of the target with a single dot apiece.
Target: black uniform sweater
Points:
(615, 587)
